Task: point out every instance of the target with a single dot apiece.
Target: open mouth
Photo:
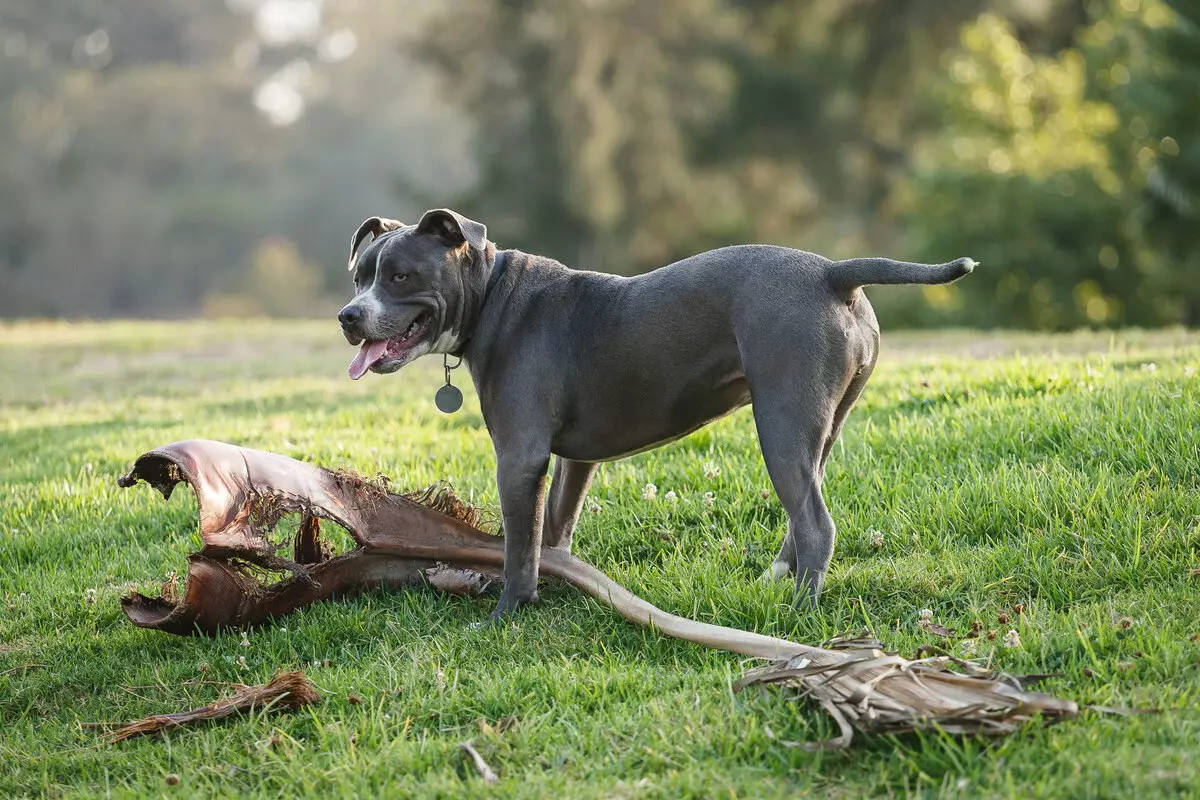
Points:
(375, 354)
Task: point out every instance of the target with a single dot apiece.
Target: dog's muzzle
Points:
(350, 319)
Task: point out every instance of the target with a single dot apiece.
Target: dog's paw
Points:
(778, 571)
(508, 605)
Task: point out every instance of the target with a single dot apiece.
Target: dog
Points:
(590, 367)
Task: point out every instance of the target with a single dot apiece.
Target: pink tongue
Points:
(368, 354)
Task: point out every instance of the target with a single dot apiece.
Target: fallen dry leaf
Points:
(288, 690)
(935, 628)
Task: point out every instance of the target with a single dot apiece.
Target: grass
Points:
(1060, 473)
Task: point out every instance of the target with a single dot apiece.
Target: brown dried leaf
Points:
(935, 628)
(288, 690)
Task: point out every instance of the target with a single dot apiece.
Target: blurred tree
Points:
(1172, 99)
(841, 90)
(583, 112)
(622, 137)
(119, 194)
(1030, 177)
(147, 146)
(834, 90)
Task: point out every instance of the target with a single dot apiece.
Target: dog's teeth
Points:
(410, 331)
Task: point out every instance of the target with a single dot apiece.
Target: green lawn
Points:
(1060, 473)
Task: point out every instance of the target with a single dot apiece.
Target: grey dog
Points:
(592, 367)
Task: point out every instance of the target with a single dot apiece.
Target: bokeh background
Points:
(182, 158)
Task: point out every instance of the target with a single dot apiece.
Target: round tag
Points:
(448, 399)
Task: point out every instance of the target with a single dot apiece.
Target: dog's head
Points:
(413, 288)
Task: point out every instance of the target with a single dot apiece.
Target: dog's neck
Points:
(499, 260)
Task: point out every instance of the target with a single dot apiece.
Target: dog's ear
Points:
(453, 228)
(374, 226)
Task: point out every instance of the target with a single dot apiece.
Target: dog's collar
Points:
(498, 265)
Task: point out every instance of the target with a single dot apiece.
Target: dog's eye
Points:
(399, 276)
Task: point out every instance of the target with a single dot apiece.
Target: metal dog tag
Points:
(448, 399)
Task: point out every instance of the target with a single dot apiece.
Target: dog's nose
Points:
(349, 315)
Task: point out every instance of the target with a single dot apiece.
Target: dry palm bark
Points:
(404, 540)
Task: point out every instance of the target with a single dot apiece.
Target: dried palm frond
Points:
(878, 692)
(288, 690)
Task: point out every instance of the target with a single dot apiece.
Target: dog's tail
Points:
(845, 276)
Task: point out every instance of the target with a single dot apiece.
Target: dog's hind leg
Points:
(567, 491)
(792, 451)
(864, 355)
(796, 399)
(784, 564)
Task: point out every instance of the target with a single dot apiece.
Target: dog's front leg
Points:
(521, 476)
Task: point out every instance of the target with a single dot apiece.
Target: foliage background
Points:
(173, 158)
